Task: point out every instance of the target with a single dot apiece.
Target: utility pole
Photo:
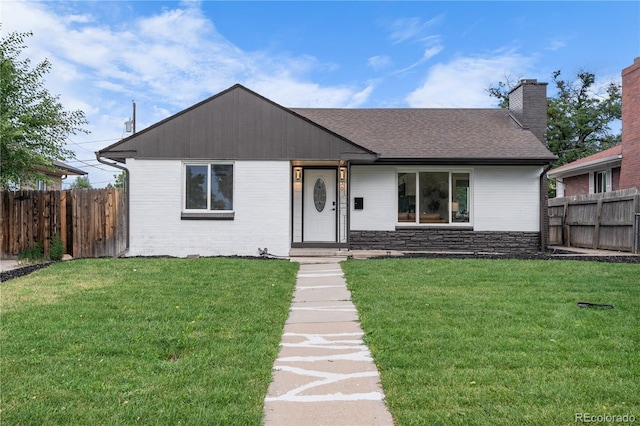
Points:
(130, 125)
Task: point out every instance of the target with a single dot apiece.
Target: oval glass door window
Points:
(320, 194)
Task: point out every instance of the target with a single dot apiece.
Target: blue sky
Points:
(169, 55)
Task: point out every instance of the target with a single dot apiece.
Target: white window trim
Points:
(592, 181)
(451, 171)
(203, 214)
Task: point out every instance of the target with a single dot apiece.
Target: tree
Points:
(120, 180)
(33, 123)
(579, 118)
(81, 182)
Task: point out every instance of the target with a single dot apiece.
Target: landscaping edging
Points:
(25, 270)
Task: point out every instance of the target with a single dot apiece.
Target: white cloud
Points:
(462, 83)
(380, 62)
(166, 61)
(297, 94)
(427, 54)
(410, 28)
(556, 44)
(415, 30)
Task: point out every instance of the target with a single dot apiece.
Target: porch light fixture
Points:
(298, 174)
(342, 174)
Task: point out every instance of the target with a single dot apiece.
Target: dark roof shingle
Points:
(419, 133)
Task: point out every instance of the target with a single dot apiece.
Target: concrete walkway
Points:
(9, 264)
(324, 373)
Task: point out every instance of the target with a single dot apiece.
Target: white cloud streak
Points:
(462, 83)
(410, 28)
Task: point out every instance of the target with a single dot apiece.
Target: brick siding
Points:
(630, 172)
(576, 185)
(615, 179)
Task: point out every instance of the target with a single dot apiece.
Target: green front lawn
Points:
(501, 342)
(177, 341)
(142, 341)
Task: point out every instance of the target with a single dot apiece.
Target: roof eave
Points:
(587, 167)
(468, 161)
(119, 156)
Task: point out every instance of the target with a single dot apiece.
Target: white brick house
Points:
(238, 172)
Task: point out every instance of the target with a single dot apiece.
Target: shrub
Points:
(32, 254)
(56, 249)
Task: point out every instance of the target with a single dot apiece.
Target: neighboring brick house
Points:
(57, 174)
(615, 168)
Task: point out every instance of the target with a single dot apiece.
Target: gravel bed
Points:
(19, 272)
(586, 258)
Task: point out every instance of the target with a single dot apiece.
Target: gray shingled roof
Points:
(69, 169)
(440, 134)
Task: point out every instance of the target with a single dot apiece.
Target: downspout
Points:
(544, 206)
(126, 195)
(348, 194)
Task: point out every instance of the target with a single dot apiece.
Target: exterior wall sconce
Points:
(298, 174)
(343, 172)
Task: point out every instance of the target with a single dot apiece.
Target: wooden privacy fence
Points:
(90, 222)
(607, 221)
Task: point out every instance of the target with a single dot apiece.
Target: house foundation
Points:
(446, 240)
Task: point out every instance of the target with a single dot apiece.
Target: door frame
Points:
(334, 171)
(317, 244)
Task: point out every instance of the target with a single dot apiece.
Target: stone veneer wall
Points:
(431, 239)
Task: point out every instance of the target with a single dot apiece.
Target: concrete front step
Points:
(319, 252)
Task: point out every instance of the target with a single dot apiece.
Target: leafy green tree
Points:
(81, 182)
(579, 117)
(120, 180)
(33, 123)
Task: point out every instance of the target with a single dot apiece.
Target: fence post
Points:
(636, 233)
(63, 219)
(566, 228)
(596, 231)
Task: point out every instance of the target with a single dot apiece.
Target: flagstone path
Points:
(324, 373)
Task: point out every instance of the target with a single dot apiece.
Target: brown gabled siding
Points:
(236, 125)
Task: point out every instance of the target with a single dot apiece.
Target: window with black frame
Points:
(209, 187)
(434, 197)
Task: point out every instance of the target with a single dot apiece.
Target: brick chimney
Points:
(528, 106)
(630, 169)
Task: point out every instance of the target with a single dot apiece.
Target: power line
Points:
(96, 141)
(94, 166)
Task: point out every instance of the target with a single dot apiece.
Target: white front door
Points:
(319, 205)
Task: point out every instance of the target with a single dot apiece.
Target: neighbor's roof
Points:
(60, 168)
(419, 133)
(70, 170)
(608, 156)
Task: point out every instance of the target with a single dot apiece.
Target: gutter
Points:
(544, 215)
(465, 161)
(126, 194)
(562, 171)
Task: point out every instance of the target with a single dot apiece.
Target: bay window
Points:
(434, 197)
